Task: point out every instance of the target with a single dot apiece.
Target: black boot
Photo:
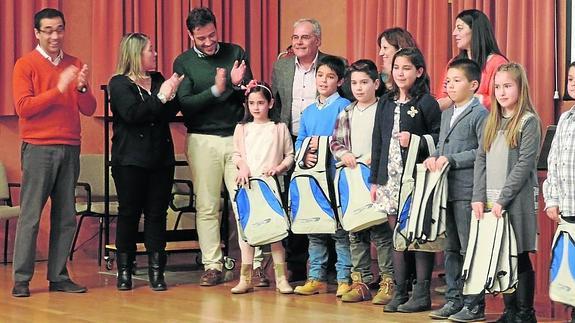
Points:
(156, 266)
(124, 260)
(399, 297)
(510, 300)
(420, 299)
(525, 293)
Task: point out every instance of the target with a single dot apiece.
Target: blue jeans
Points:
(318, 256)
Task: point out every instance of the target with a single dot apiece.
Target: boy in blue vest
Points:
(319, 119)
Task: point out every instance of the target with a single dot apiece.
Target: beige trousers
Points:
(210, 160)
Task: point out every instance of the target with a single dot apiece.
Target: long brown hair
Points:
(523, 107)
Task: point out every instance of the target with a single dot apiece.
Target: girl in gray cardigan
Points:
(511, 137)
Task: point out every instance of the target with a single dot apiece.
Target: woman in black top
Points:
(142, 155)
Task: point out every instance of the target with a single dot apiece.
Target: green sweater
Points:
(203, 112)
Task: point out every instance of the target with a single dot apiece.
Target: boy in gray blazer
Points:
(459, 137)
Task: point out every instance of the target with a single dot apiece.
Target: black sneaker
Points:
(446, 311)
(21, 289)
(469, 314)
(66, 286)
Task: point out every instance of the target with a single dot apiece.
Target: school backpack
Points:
(491, 259)
(311, 192)
(562, 269)
(411, 195)
(426, 220)
(352, 192)
(261, 215)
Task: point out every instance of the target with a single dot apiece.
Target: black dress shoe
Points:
(67, 286)
(21, 289)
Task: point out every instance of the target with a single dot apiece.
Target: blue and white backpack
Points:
(352, 191)
(311, 192)
(562, 270)
(261, 215)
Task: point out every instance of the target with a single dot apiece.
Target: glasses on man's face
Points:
(50, 31)
(302, 37)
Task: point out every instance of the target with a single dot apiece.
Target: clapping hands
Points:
(170, 86)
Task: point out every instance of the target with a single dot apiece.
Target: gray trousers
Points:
(47, 171)
(360, 246)
(457, 226)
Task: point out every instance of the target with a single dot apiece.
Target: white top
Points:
(362, 121)
(259, 146)
(459, 110)
(303, 92)
(54, 61)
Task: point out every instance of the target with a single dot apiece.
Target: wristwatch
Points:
(162, 97)
(83, 89)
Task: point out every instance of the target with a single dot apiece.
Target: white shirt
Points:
(458, 111)
(54, 61)
(362, 121)
(303, 92)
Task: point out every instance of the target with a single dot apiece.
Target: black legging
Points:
(403, 262)
(141, 190)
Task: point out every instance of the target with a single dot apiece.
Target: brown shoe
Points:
(385, 292)
(359, 290)
(211, 277)
(260, 279)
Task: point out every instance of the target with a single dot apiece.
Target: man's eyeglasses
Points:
(302, 37)
(50, 31)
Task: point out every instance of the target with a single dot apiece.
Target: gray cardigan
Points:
(459, 144)
(519, 194)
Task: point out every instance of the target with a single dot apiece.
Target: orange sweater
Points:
(48, 117)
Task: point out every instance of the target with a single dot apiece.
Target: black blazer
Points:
(141, 124)
(420, 116)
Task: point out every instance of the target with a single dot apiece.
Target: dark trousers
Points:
(47, 171)
(141, 190)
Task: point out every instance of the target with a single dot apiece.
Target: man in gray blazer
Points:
(293, 87)
(293, 78)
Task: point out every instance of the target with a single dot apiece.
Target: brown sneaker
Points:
(359, 290)
(385, 292)
(259, 278)
(211, 277)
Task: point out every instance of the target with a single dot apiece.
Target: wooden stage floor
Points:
(183, 302)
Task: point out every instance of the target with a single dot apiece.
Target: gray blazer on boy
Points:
(459, 144)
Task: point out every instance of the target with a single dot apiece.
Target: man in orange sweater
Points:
(50, 90)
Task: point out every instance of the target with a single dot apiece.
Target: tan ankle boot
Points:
(245, 284)
(282, 284)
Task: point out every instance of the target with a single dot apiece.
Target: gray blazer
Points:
(459, 144)
(519, 194)
(282, 88)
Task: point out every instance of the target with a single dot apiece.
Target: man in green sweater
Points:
(212, 104)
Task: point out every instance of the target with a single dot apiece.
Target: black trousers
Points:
(141, 190)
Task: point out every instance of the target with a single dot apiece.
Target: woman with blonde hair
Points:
(142, 155)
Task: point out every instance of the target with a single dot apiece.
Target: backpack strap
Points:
(411, 157)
